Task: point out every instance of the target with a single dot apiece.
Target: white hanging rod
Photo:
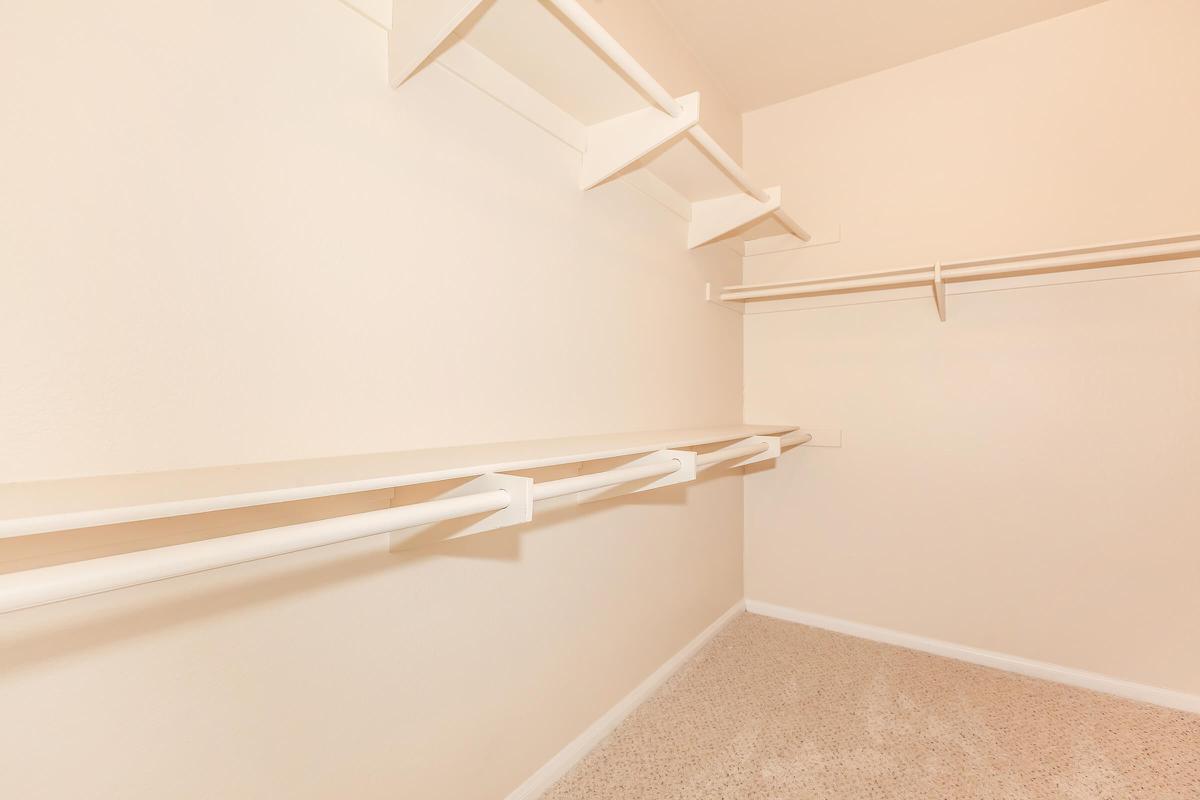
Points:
(35, 587)
(795, 439)
(1107, 255)
(738, 451)
(749, 451)
(41, 586)
(621, 57)
(726, 163)
(628, 65)
(600, 480)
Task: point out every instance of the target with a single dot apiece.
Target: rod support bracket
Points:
(712, 295)
(685, 474)
(617, 144)
(722, 216)
(519, 510)
(939, 290)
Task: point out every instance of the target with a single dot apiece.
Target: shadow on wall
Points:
(70, 631)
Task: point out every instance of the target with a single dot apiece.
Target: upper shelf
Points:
(627, 118)
(43, 506)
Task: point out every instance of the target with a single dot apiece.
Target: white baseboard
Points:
(1023, 666)
(570, 755)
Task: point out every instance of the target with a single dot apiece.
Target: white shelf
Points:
(580, 73)
(43, 506)
(492, 497)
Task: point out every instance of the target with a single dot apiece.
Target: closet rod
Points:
(35, 587)
(624, 61)
(604, 40)
(726, 163)
(792, 226)
(730, 453)
(734, 170)
(601, 480)
(1109, 255)
(795, 438)
(738, 175)
(750, 450)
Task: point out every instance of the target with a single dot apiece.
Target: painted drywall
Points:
(227, 240)
(1022, 477)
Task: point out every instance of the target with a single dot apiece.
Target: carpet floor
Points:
(771, 710)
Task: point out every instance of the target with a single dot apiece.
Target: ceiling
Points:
(765, 51)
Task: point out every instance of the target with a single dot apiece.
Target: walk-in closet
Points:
(600, 400)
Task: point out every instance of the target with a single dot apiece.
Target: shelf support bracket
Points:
(518, 511)
(685, 473)
(712, 219)
(712, 294)
(615, 144)
(419, 27)
(939, 291)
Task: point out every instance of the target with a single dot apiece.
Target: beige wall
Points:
(227, 240)
(1022, 477)
(1080, 129)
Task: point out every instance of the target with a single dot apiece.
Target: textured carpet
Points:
(771, 710)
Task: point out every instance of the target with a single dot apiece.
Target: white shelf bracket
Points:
(519, 510)
(774, 449)
(939, 291)
(615, 144)
(712, 219)
(418, 29)
(685, 473)
(712, 294)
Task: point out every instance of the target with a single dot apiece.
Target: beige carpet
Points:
(771, 710)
